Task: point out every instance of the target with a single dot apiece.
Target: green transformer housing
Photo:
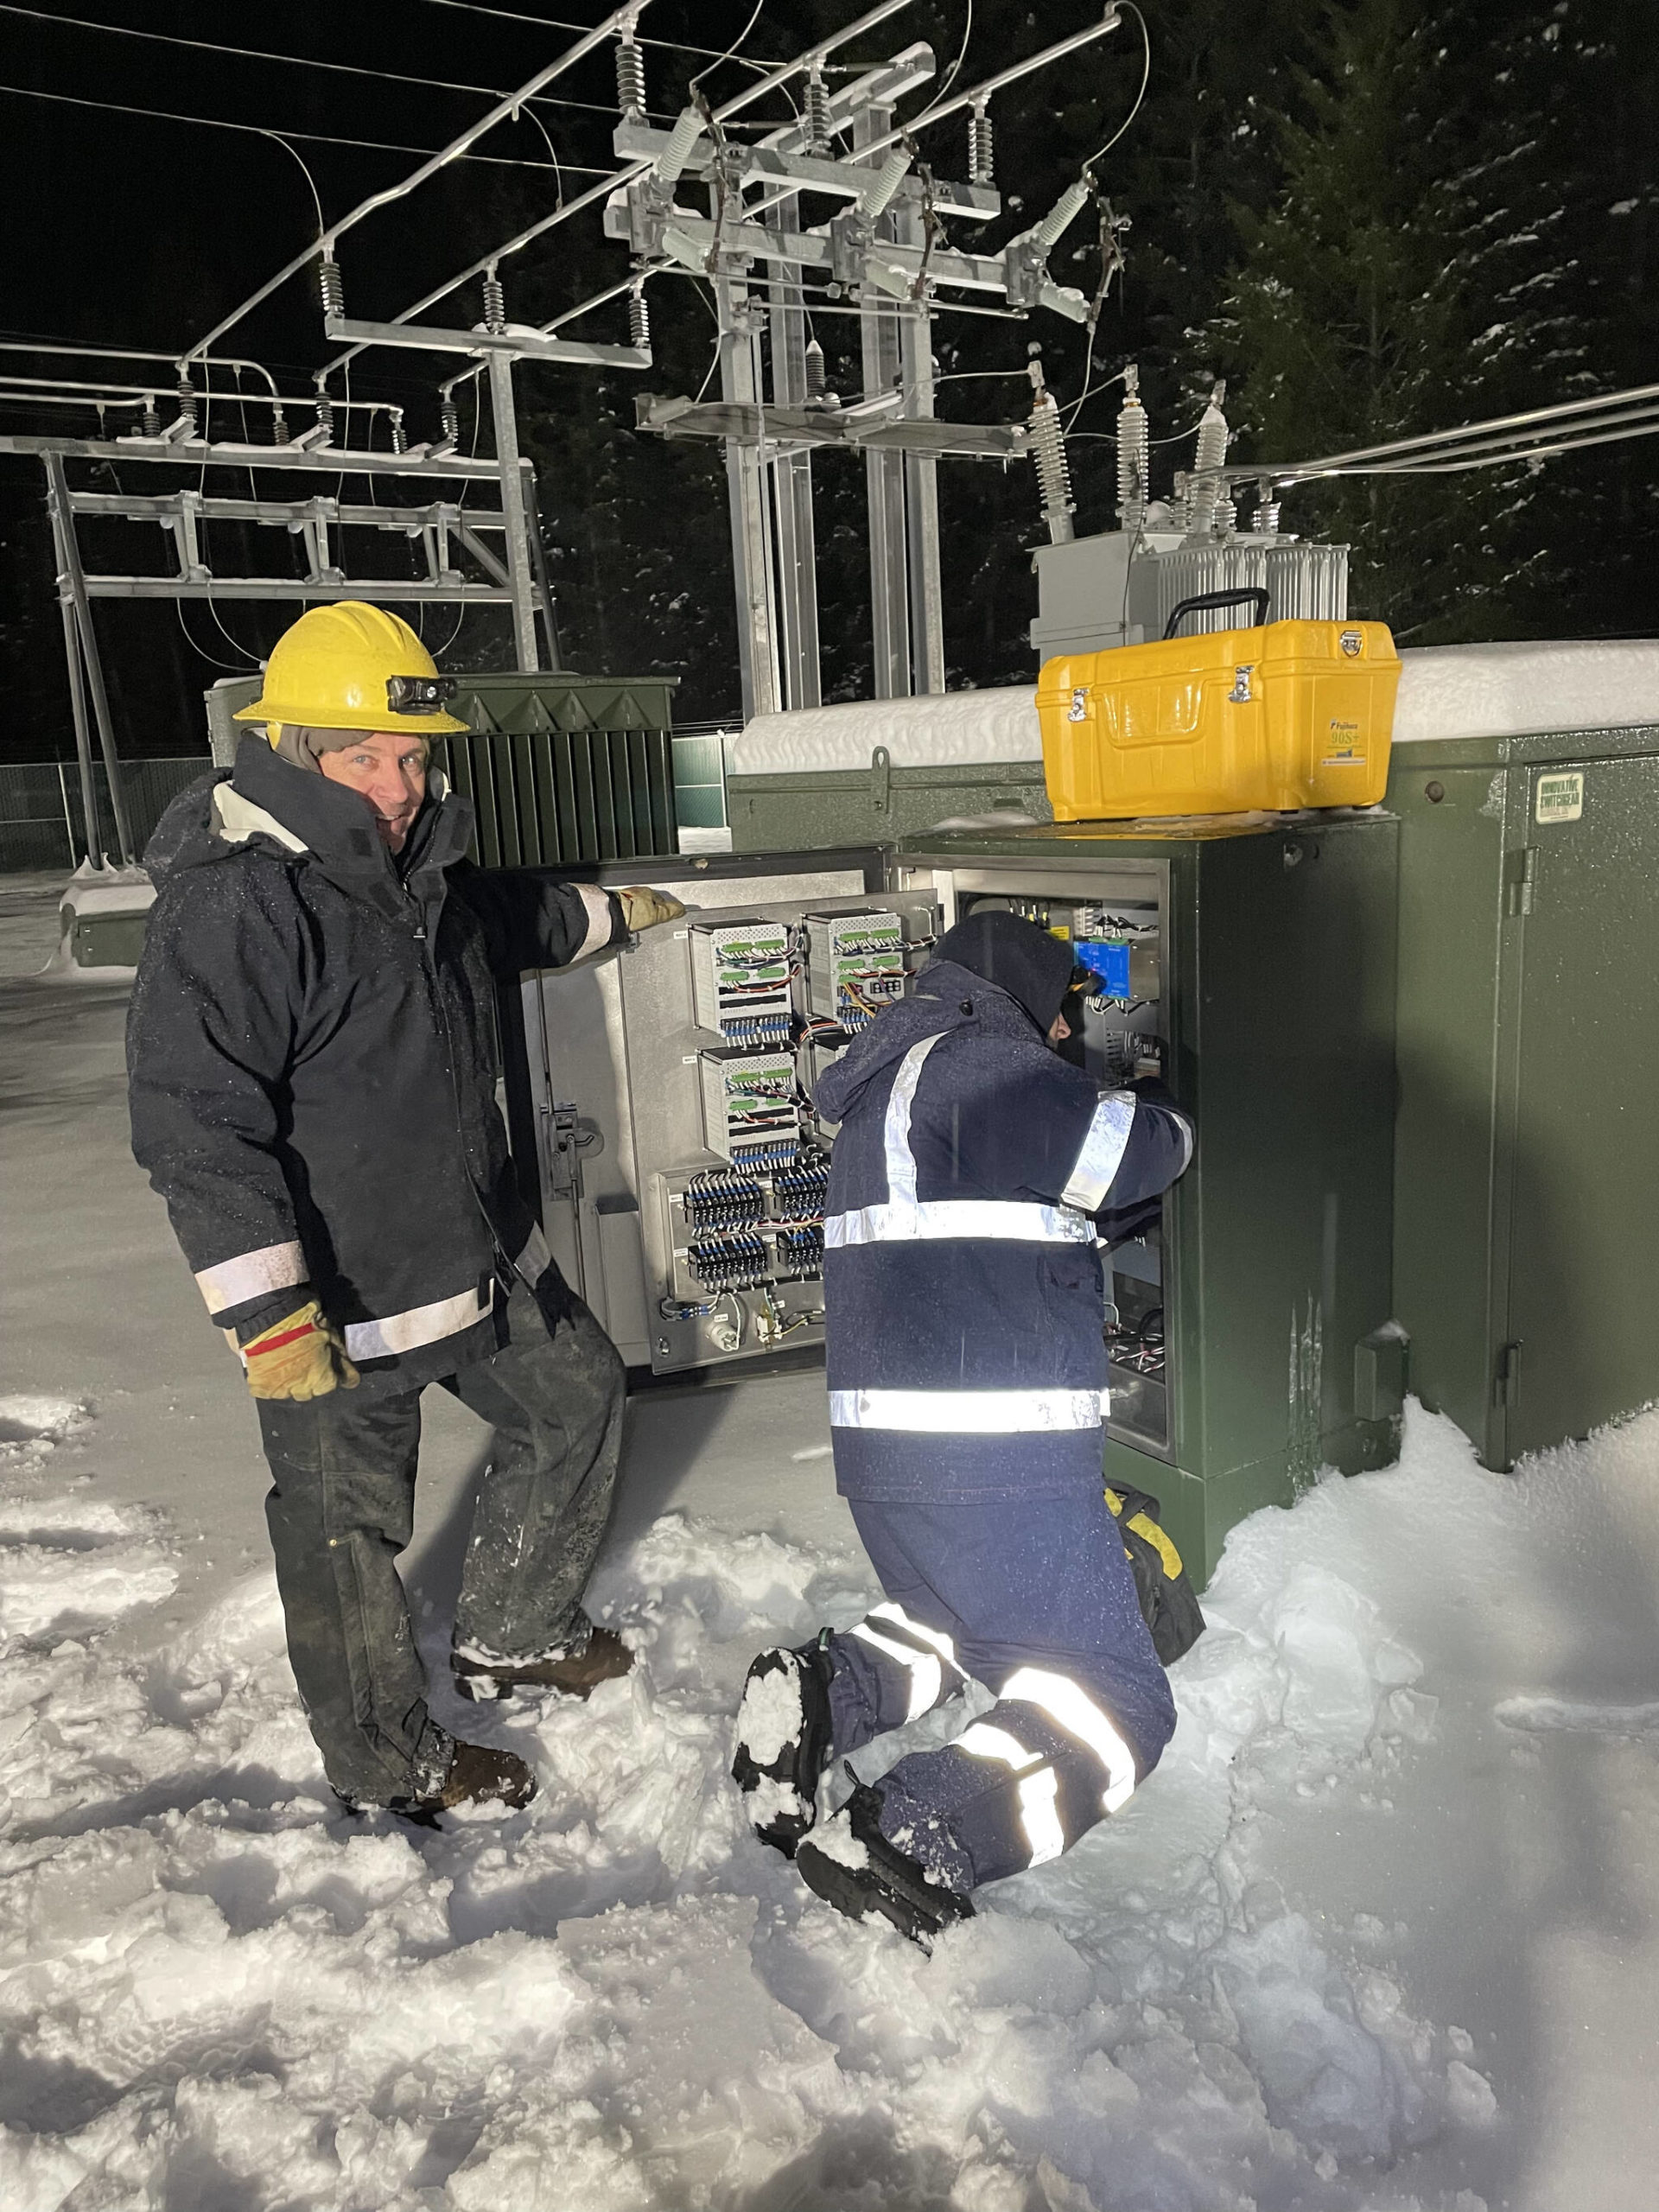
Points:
(794, 810)
(1251, 1338)
(1527, 1147)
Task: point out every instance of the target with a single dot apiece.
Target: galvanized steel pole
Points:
(521, 575)
(70, 574)
(791, 478)
(884, 472)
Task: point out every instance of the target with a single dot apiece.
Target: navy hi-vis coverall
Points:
(967, 1372)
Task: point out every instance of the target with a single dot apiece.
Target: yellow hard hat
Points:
(353, 666)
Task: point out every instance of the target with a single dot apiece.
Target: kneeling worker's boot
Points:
(783, 1743)
(852, 1865)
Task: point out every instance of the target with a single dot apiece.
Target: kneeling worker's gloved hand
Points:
(300, 1357)
(643, 908)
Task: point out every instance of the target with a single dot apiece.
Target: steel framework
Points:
(879, 246)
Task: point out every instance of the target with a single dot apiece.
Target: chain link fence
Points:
(41, 818)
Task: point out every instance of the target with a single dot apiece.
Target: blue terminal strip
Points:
(1108, 963)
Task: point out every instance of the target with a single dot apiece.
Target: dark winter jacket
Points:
(962, 1288)
(311, 1058)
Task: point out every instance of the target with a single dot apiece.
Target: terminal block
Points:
(750, 1111)
(799, 1192)
(800, 1250)
(854, 966)
(720, 1198)
(716, 1264)
(740, 980)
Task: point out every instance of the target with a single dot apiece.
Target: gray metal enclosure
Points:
(610, 1099)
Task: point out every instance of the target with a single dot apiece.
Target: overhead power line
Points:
(554, 23)
(271, 131)
(295, 60)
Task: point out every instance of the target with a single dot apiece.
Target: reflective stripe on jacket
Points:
(963, 1290)
(312, 1063)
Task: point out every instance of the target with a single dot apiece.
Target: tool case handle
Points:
(1256, 594)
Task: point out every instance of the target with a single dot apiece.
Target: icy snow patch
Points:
(28, 1419)
(32, 1429)
(1550, 1715)
(69, 1560)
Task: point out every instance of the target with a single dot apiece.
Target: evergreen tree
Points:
(1411, 275)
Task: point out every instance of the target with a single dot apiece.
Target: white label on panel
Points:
(1561, 797)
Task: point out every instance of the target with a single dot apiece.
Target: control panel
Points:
(683, 1162)
(854, 966)
(775, 999)
(740, 981)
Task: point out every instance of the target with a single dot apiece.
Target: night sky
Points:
(124, 229)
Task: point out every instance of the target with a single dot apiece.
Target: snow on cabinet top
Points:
(940, 729)
(1509, 690)
(1446, 691)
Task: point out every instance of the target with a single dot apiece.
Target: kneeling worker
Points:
(964, 1308)
(312, 1093)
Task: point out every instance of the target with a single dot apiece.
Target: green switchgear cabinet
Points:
(1250, 1333)
(1526, 1146)
(794, 810)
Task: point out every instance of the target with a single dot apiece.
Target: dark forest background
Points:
(1372, 216)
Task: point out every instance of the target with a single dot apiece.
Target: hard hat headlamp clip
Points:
(418, 694)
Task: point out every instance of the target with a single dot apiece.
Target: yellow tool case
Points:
(1286, 715)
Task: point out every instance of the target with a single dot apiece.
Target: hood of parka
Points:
(267, 802)
(946, 997)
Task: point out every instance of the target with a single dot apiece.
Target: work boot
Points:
(853, 1867)
(477, 1774)
(784, 1742)
(573, 1674)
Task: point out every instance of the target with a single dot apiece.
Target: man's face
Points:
(389, 770)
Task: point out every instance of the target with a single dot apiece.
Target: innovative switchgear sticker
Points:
(1560, 798)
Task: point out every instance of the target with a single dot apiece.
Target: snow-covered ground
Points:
(1380, 1934)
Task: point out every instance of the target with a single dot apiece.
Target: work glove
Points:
(300, 1357)
(643, 908)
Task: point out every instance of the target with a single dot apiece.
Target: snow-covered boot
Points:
(784, 1742)
(601, 1658)
(477, 1774)
(852, 1865)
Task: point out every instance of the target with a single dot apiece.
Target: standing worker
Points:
(965, 1309)
(312, 1093)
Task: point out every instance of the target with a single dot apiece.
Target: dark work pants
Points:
(1034, 1598)
(341, 1508)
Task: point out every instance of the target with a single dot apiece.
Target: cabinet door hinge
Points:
(1506, 1379)
(1518, 879)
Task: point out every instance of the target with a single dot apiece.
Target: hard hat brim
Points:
(436, 724)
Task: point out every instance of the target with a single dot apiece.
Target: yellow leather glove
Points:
(643, 908)
(300, 1357)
